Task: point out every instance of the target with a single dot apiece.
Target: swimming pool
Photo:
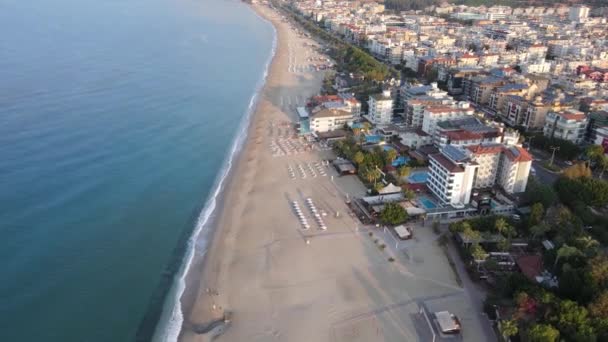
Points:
(401, 160)
(373, 138)
(427, 203)
(418, 177)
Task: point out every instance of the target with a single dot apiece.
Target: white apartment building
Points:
(488, 157)
(569, 124)
(326, 120)
(451, 176)
(539, 67)
(436, 114)
(514, 169)
(456, 171)
(381, 108)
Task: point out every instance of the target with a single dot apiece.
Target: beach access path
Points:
(281, 282)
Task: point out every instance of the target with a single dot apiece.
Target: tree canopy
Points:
(393, 214)
(543, 333)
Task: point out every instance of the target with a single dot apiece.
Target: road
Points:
(543, 175)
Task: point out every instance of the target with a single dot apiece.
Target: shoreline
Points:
(206, 230)
(198, 271)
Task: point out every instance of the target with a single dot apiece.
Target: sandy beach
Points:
(282, 282)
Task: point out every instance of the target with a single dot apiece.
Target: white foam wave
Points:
(171, 320)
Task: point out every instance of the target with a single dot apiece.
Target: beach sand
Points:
(338, 287)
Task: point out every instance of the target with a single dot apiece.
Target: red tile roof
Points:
(570, 116)
(530, 265)
(463, 135)
(440, 109)
(485, 149)
(520, 156)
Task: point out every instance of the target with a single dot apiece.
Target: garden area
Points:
(566, 299)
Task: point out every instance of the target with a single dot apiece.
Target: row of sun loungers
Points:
(281, 147)
(316, 214)
(300, 214)
(313, 169)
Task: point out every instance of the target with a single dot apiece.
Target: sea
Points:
(119, 121)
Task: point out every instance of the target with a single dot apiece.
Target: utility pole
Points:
(554, 148)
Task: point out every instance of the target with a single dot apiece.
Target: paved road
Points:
(475, 293)
(543, 175)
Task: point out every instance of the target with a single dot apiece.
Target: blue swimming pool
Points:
(427, 203)
(400, 161)
(418, 177)
(373, 138)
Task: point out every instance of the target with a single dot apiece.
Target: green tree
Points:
(503, 244)
(504, 228)
(594, 152)
(565, 251)
(478, 253)
(370, 173)
(536, 213)
(570, 317)
(543, 333)
(393, 214)
(471, 235)
(390, 156)
(408, 194)
(501, 225)
(359, 157)
(539, 230)
(460, 226)
(508, 328)
(404, 171)
(587, 245)
(540, 193)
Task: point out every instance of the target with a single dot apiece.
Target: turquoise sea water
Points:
(115, 119)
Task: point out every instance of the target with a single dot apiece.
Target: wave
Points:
(171, 321)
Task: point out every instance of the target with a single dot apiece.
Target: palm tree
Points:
(478, 253)
(587, 244)
(471, 235)
(359, 157)
(501, 225)
(404, 171)
(565, 251)
(371, 174)
(390, 156)
(594, 152)
(508, 328)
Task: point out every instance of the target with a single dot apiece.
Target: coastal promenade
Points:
(282, 282)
